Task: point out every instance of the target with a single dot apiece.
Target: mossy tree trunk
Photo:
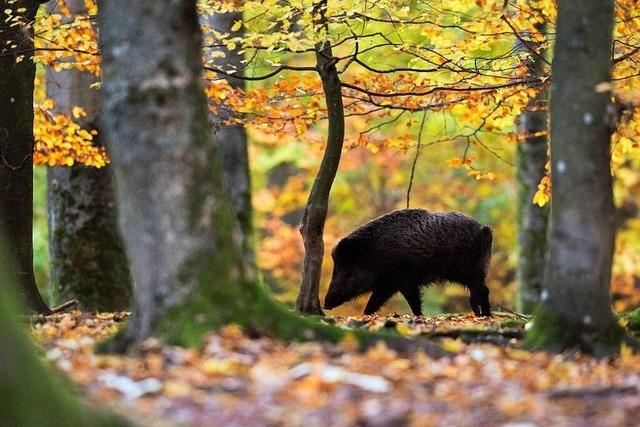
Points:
(575, 310)
(88, 261)
(532, 219)
(315, 214)
(233, 138)
(17, 74)
(29, 394)
(178, 222)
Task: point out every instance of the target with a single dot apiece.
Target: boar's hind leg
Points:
(412, 295)
(479, 301)
(378, 298)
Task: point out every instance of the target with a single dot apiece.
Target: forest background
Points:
(467, 161)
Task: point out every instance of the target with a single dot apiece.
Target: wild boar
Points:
(407, 249)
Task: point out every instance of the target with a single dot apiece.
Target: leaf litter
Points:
(237, 380)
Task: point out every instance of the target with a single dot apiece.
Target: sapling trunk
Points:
(315, 214)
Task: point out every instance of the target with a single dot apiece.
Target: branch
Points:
(275, 72)
(415, 159)
(441, 89)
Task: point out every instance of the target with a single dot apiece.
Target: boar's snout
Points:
(331, 300)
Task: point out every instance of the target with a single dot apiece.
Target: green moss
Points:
(556, 333)
(633, 320)
(513, 323)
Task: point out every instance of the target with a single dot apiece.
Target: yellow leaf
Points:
(78, 112)
(236, 26)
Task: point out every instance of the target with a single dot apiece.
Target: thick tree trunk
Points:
(532, 219)
(312, 227)
(178, 221)
(233, 140)
(17, 73)
(88, 261)
(576, 308)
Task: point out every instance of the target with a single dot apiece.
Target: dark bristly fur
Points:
(409, 248)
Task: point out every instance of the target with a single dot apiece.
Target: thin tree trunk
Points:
(532, 219)
(17, 73)
(312, 227)
(88, 261)
(233, 140)
(178, 222)
(576, 307)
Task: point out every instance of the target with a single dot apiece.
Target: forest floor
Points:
(236, 380)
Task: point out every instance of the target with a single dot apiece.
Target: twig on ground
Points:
(602, 392)
(515, 313)
(65, 306)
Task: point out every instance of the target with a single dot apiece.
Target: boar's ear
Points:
(347, 249)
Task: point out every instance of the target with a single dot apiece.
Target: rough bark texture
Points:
(532, 219)
(29, 394)
(88, 261)
(233, 140)
(312, 227)
(576, 309)
(178, 221)
(16, 145)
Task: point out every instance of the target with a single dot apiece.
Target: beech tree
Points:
(575, 309)
(17, 74)
(531, 161)
(87, 255)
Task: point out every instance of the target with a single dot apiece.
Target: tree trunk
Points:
(532, 219)
(315, 214)
(576, 309)
(178, 222)
(233, 140)
(88, 261)
(17, 73)
(29, 394)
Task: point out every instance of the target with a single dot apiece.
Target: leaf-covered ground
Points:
(235, 380)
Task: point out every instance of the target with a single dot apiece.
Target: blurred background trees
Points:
(472, 67)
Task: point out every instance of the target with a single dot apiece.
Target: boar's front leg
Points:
(412, 295)
(378, 297)
(479, 301)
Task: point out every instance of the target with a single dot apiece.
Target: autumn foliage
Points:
(453, 72)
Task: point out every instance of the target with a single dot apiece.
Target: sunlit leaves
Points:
(65, 41)
(61, 141)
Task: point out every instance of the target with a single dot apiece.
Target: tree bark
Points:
(312, 227)
(178, 222)
(532, 219)
(233, 140)
(17, 74)
(88, 261)
(576, 309)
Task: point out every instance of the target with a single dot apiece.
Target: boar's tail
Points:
(487, 238)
